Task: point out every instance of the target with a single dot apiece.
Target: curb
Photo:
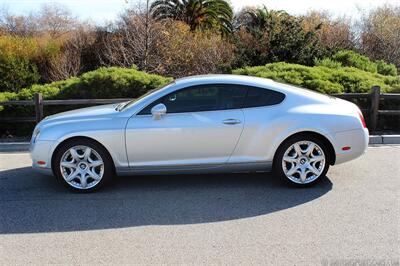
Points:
(390, 139)
(373, 140)
(384, 139)
(14, 146)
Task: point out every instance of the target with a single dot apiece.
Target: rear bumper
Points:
(356, 139)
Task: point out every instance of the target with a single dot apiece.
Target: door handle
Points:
(231, 121)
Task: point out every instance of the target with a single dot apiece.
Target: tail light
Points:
(362, 119)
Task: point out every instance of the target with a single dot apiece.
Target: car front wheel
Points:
(302, 160)
(82, 165)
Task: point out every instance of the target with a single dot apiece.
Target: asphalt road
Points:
(352, 217)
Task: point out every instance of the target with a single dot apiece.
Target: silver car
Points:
(202, 124)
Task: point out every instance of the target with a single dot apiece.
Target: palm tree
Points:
(198, 14)
(261, 18)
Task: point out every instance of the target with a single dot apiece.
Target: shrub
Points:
(110, 82)
(322, 78)
(327, 62)
(353, 59)
(17, 73)
(386, 69)
(17, 67)
(7, 96)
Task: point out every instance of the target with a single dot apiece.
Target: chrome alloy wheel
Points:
(82, 167)
(303, 162)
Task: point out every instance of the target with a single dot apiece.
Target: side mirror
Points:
(158, 111)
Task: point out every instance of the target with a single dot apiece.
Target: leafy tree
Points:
(334, 33)
(184, 52)
(17, 25)
(198, 14)
(275, 36)
(380, 34)
(132, 41)
(56, 19)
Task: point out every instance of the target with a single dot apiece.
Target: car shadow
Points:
(31, 202)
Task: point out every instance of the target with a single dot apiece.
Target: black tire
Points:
(278, 159)
(108, 166)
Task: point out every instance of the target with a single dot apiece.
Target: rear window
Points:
(262, 97)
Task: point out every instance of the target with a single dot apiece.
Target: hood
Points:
(83, 113)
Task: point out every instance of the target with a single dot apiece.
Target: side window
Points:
(194, 99)
(202, 98)
(262, 97)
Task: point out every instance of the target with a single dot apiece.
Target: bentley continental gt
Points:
(202, 124)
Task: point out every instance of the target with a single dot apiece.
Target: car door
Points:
(201, 127)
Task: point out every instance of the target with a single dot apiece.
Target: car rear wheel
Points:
(82, 165)
(302, 160)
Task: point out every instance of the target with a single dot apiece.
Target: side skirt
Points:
(248, 167)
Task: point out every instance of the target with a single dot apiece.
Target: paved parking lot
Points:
(351, 217)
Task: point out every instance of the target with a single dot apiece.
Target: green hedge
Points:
(112, 82)
(353, 59)
(334, 79)
(328, 77)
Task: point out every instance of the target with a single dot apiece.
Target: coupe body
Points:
(202, 124)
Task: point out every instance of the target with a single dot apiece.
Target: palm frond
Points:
(199, 14)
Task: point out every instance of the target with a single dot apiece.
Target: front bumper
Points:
(41, 151)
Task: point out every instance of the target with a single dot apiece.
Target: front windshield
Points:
(131, 102)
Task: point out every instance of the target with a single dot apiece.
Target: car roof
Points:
(223, 78)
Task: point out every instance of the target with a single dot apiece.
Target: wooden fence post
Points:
(38, 100)
(375, 97)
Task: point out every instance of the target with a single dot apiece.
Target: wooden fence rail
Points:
(39, 104)
(374, 97)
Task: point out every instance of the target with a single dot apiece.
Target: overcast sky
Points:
(106, 10)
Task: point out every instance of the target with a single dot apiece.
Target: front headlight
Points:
(35, 134)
